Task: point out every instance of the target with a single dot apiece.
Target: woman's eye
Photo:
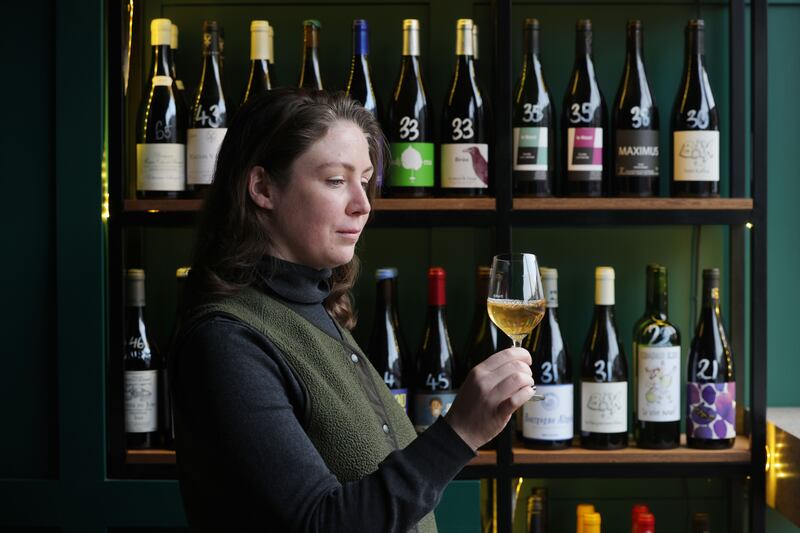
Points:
(335, 181)
(365, 184)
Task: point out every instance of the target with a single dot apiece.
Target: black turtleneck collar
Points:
(294, 282)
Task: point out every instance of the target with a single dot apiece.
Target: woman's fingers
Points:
(507, 407)
(510, 385)
(505, 356)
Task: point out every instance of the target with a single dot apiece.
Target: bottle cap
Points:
(464, 24)
(210, 26)
(584, 508)
(584, 25)
(592, 519)
(182, 272)
(259, 25)
(410, 24)
(436, 286)
(645, 519)
(696, 23)
(604, 272)
(160, 32)
(711, 274)
(548, 273)
(656, 268)
(386, 273)
(360, 24)
(173, 39)
(530, 23)
(314, 23)
(136, 274)
(634, 24)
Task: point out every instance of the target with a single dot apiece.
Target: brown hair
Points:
(271, 130)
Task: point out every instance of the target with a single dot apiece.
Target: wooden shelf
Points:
(633, 204)
(167, 457)
(739, 454)
(166, 205)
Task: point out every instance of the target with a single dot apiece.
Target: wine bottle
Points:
(604, 375)
(635, 124)
(484, 336)
(701, 523)
(548, 424)
(309, 72)
(645, 523)
(359, 80)
(534, 125)
(591, 523)
(695, 124)
(435, 387)
(271, 59)
(141, 366)
(537, 514)
(410, 126)
(581, 510)
(465, 124)
(387, 348)
(657, 362)
(636, 510)
(711, 388)
(173, 70)
(209, 114)
(585, 120)
(160, 124)
(259, 80)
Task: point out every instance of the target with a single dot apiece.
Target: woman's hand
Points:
(489, 396)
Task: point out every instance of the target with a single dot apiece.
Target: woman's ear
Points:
(258, 186)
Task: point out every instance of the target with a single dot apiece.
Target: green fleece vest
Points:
(341, 422)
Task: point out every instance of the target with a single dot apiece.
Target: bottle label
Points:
(412, 165)
(401, 395)
(465, 166)
(141, 401)
(160, 167)
(658, 396)
(636, 153)
(551, 418)
(585, 153)
(202, 147)
(604, 407)
(696, 155)
(530, 151)
(430, 406)
(712, 410)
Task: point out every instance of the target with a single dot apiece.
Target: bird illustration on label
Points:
(479, 164)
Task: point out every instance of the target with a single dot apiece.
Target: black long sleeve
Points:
(245, 462)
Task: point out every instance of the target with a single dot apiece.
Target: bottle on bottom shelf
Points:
(141, 367)
(548, 424)
(604, 374)
(581, 511)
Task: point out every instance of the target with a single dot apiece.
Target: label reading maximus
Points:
(695, 155)
(530, 152)
(636, 153)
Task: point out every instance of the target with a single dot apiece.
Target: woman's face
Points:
(317, 218)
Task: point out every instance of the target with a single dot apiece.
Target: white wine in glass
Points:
(516, 300)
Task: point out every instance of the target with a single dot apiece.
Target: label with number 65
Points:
(465, 166)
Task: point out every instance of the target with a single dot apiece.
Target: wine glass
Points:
(516, 300)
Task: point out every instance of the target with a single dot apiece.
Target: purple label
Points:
(584, 144)
(712, 410)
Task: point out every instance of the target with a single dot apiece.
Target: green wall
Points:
(52, 456)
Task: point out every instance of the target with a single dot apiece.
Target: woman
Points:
(282, 424)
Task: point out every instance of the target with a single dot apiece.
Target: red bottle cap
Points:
(436, 286)
(645, 523)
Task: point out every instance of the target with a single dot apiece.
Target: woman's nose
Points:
(359, 202)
